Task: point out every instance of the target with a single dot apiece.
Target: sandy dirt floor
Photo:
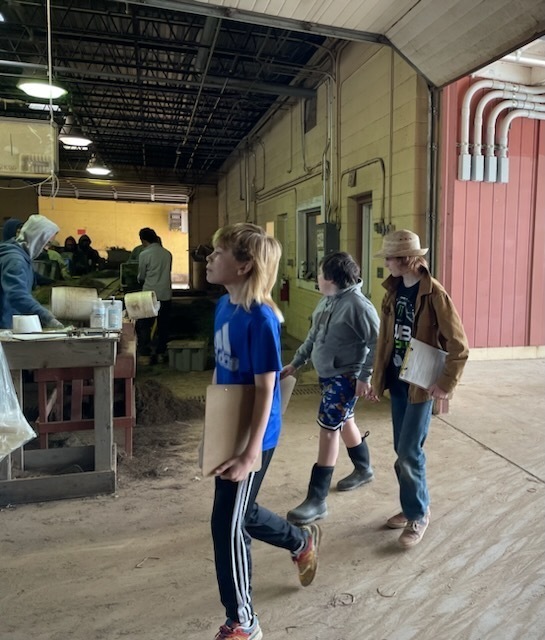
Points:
(139, 564)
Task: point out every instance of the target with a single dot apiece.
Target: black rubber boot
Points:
(314, 507)
(363, 473)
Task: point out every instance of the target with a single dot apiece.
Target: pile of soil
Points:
(162, 451)
(167, 433)
(157, 405)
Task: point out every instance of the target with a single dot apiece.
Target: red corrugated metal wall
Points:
(493, 235)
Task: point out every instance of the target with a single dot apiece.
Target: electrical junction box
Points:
(177, 220)
(327, 239)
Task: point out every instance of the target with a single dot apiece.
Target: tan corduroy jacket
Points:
(436, 323)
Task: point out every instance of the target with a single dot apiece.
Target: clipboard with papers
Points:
(228, 413)
(422, 364)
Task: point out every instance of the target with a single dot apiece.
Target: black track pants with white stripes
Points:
(236, 518)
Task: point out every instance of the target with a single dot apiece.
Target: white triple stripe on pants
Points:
(240, 553)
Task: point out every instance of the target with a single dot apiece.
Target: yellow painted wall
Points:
(116, 224)
(378, 116)
(203, 215)
(384, 115)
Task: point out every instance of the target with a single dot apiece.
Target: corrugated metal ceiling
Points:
(164, 95)
(167, 89)
(443, 39)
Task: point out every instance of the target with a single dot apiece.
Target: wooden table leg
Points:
(17, 377)
(104, 418)
(5, 468)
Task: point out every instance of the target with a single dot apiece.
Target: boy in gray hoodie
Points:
(341, 344)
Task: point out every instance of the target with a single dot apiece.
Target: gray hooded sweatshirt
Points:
(17, 275)
(343, 335)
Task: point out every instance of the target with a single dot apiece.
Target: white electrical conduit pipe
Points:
(477, 161)
(491, 162)
(503, 160)
(464, 161)
(529, 60)
(466, 107)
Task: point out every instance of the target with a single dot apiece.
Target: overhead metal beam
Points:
(211, 81)
(230, 13)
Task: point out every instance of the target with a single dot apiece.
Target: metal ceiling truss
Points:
(154, 87)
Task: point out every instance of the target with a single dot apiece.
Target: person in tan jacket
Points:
(415, 306)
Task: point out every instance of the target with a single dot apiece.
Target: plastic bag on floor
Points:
(14, 428)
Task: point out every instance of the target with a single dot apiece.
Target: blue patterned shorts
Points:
(338, 401)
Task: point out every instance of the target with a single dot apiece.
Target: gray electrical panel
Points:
(327, 239)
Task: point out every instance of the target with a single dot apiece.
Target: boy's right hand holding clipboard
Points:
(228, 413)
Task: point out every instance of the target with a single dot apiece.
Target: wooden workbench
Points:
(98, 353)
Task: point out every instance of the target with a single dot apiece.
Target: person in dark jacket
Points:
(70, 245)
(77, 263)
(92, 258)
(11, 228)
(17, 275)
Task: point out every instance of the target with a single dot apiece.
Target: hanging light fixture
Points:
(96, 167)
(71, 135)
(43, 106)
(41, 88)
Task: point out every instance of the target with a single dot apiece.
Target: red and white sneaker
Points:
(234, 631)
(307, 559)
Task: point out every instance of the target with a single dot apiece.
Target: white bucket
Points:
(142, 304)
(72, 303)
(26, 324)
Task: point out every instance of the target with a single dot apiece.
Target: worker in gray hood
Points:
(16, 273)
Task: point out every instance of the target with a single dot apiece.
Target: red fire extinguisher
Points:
(284, 290)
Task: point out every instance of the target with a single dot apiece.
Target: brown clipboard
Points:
(228, 413)
(287, 385)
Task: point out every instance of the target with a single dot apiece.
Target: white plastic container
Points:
(114, 314)
(26, 324)
(98, 315)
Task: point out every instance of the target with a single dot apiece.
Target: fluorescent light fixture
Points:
(2, 19)
(43, 106)
(72, 136)
(96, 167)
(76, 141)
(41, 89)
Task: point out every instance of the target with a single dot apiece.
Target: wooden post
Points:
(104, 418)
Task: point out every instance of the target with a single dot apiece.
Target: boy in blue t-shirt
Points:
(247, 347)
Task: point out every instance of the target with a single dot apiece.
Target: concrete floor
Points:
(480, 571)
(479, 574)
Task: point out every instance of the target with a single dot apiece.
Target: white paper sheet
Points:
(422, 364)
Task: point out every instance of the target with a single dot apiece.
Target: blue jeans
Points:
(411, 423)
